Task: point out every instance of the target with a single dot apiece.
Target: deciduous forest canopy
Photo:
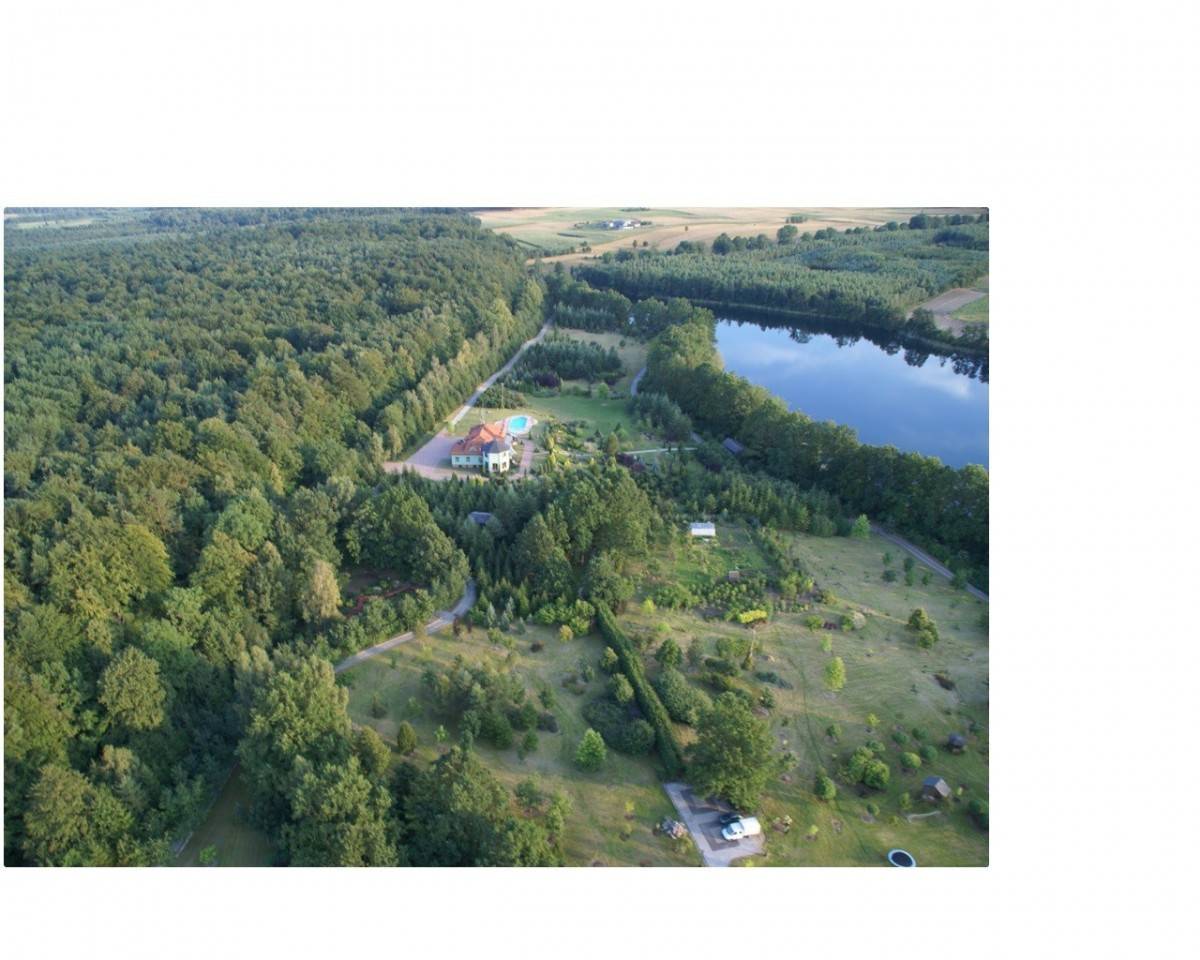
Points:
(197, 406)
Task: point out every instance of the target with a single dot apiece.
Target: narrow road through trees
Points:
(926, 559)
(440, 622)
(428, 461)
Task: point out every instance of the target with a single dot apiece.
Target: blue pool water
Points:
(518, 424)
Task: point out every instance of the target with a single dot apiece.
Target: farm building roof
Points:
(703, 529)
(732, 445)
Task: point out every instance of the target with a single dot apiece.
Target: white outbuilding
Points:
(703, 529)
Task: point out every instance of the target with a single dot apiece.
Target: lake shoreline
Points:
(856, 328)
(887, 395)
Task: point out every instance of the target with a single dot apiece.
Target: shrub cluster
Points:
(684, 702)
(486, 704)
(621, 728)
(865, 768)
(923, 626)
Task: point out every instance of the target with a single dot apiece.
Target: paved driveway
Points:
(701, 818)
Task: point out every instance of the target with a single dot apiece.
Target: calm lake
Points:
(929, 408)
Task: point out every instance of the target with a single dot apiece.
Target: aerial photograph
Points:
(520, 480)
(496, 536)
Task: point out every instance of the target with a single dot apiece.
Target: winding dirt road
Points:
(438, 623)
(925, 558)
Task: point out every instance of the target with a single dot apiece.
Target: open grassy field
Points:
(888, 676)
(547, 230)
(614, 810)
(974, 312)
(238, 843)
(602, 415)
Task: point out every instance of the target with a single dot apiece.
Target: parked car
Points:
(727, 818)
(741, 829)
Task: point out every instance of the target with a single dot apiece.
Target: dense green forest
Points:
(197, 404)
(871, 277)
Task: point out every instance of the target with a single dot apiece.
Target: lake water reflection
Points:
(929, 409)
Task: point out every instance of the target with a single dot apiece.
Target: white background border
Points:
(1074, 123)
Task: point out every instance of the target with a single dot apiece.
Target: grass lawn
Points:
(603, 414)
(625, 797)
(597, 414)
(887, 675)
(238, 843)
(974, 312)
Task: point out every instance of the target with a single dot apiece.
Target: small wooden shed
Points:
(935, 789)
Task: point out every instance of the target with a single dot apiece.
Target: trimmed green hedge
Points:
(656, 713)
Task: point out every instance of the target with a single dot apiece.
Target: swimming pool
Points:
(520, 424)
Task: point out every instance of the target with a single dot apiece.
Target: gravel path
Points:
(926, 559)
(945, 303)
(440, 622)
(633, 384)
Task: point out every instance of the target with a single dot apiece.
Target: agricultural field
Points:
(548, 231)
(889, 680)
(614, 810)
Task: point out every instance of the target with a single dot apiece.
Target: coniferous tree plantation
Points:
(867, 276)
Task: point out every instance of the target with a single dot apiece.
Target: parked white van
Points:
(740, 829)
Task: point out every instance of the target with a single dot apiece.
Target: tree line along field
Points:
(550, 234)
(870, 276)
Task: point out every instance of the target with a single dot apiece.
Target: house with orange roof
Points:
(486, 446)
